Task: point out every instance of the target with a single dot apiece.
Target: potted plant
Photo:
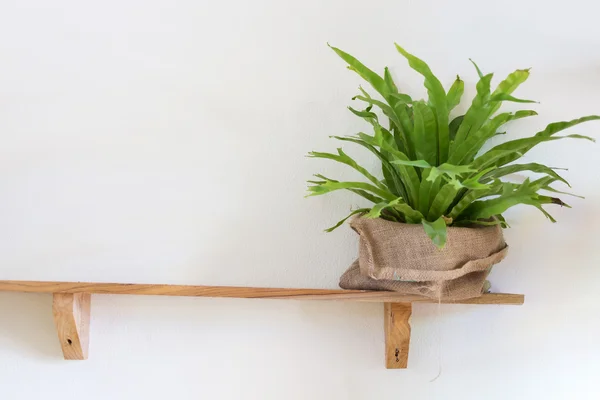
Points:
(435, 224)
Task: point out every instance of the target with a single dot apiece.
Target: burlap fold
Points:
(402, 258)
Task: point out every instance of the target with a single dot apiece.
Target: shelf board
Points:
(72, 304)
(245, 292)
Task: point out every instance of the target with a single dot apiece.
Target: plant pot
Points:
(402, 258)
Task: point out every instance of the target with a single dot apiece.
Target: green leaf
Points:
(375, 80)
(407, 173)
(500, 218)
(360, 210)
(436, 231)
(399, 140)
(330, 186)
(392, 176)
(473, 182)
(550, 217)
(437, 99)
(449, 170)
(371, 197)
(453, 128)
(508, 97)
(453, 170)
(523, 194)
(514, 149)
(389, 81)
(468, 199)
(551, 189)
(487, 208)
(425, 192)
(509, 85)
(343, 158)
(454, 94)
(468, 149)
(442, 201)
(424, 137)
(559, 126)
(367, 115)
(591, 139)
(549, 200)
(533, 167)
(406, 127)
(477, 114)
(493, 222)
(477, 68)
(540, 183)
(392, 179)
(380, 138)
(375, 212)
(403, 98)
(411, 215)
(415, 163)
(379, 207)
(496, 158)
(387, 110)
(364, 92)
(512, 81)
(520, 114)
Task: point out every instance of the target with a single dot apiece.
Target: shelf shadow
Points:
(26, 325)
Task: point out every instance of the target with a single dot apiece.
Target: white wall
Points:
(163, 141)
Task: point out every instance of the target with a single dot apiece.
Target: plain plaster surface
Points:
(164, 142)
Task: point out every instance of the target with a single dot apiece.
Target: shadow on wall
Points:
(27, 327)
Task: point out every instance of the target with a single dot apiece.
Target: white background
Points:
(164, 142)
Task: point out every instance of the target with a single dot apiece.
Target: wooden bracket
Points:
(397, 334)
(72, 319)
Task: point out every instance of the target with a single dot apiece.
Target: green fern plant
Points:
(434, 172)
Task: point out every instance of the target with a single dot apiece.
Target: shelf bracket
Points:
(72, 319)
(397, 334)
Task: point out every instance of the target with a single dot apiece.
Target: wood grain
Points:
(244, 292)
(397, 334)
(72, 319)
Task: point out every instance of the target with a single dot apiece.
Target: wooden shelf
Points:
(72, 300)
(242, 292)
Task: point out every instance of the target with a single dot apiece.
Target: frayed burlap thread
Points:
(402, 258)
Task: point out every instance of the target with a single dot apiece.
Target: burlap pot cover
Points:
(402, 258)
